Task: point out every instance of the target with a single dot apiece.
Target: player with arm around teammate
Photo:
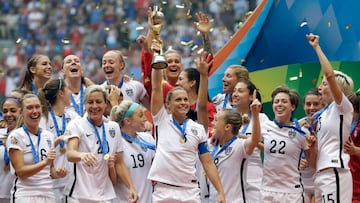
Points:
(284, 141)
(231, 152)
(31, 152)
(94, 145)
(139, 149)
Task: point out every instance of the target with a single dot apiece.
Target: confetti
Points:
(65, 41)
(303, 24)
(189, 43)
(194, 47)
(106, 28)
(329, 24)
(348, 26)
(200, 51)
(18, 40)
(180, 6)
(140, 28)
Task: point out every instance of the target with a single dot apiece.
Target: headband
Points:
(131, 110)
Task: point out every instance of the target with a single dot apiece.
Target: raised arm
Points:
(326, 68)
(202, 113)
(156, 92)
(252, 141)
(203, 26)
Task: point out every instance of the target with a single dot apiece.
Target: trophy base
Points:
(159, 62)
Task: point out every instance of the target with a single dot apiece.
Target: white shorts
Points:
(334, 185)
(171, 194)
(37, 199)
(281, 197)
(73, 200)
(308, 178)
(253, 194)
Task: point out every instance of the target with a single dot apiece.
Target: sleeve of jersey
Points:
(345, 105)
(14, 141)
(146, 59)
(202, 147)
(72, 130)
(120, 145)
(160, 116)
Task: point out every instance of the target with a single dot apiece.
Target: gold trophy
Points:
(158, 61)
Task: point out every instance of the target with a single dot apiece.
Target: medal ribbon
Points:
(140, 142)
(35, 152)
(103, 144)
(78, 108)
(6, 154)
(317, 116)
(214, 153)
(58, 132)
(181, 128)
(296, 128)
(225, 100)
(353, 125)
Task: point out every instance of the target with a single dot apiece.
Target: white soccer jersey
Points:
(6, 177)
(332, 130)
(254, 164)
(132, 90)
(93, 183)
(231, 166)
(138, 161)
(61, 159)
(174, 162)
(78, 98)
(282, 148)
(219, 101)
(39, 184)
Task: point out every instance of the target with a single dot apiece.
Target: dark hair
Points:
(294, 96)
(193, 74)
(355, 100)
(14, 99)
(29, 76)
(49, 94)
(313, 91)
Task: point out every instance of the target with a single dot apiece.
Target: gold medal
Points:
(62, 150)
(6, 168)
(182, 140)
(106, 157)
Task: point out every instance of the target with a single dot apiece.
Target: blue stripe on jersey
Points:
(341, 140)
(242, 171)
(203, 148)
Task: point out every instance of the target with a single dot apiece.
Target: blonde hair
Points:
(344, 81)
(240, 71)
(118, 112)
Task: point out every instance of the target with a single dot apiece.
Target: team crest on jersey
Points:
(112, 133)
(13, 140)
(67, 133)
(144, 149)
(49, 143)
(228, 150)
(194, 131)
(129, 92)
(292, 134)
(68, 120)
